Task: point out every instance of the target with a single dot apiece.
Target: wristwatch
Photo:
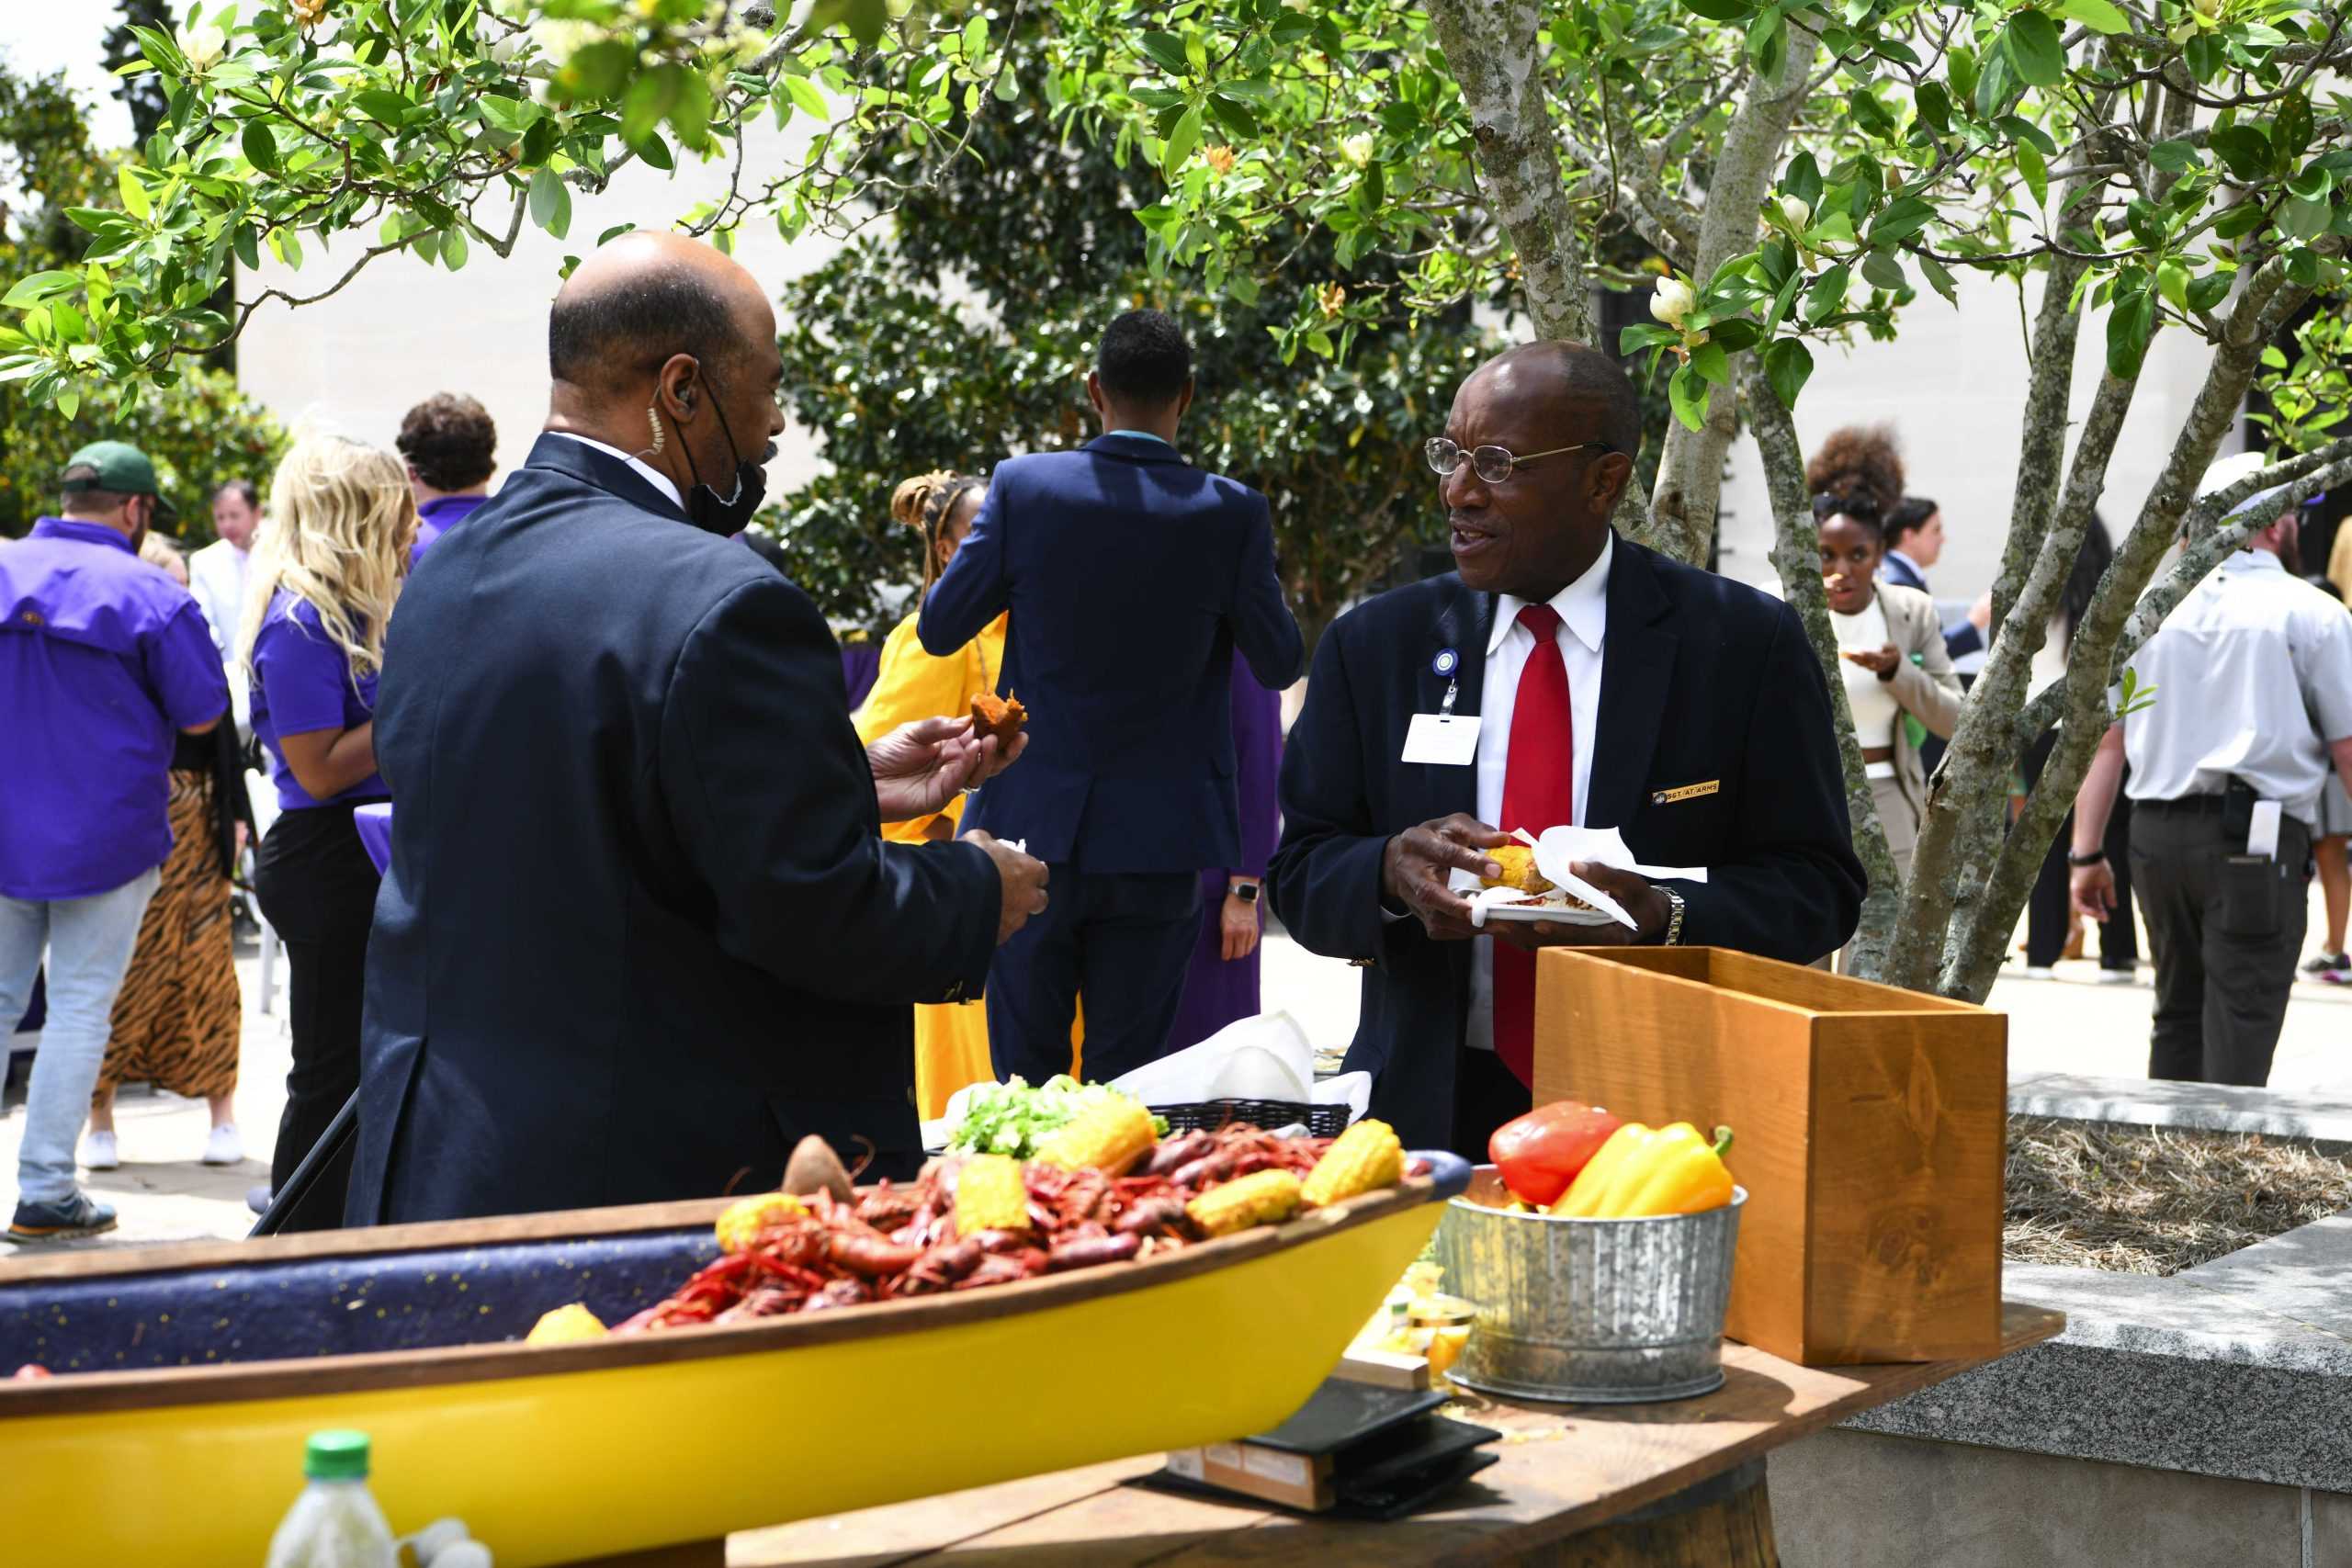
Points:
(1673, 937)
(1245, 891)
(2097, 857)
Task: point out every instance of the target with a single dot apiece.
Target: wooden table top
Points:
(1564, 1469)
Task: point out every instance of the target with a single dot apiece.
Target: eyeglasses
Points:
(1492, 464)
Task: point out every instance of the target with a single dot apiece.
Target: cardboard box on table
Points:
(1869, 1126)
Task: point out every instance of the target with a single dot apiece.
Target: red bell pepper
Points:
(1540, 1153)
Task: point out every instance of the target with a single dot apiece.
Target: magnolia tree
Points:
(1797, 171)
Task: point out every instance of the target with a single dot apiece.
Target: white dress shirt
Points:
(1583, 607)
(2253, 678)
(215, 577)
(646, 470)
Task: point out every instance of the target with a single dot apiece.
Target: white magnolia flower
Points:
(204, 46)
(561, 38)
(1798, 211)
(1357, 149)
(1673, 301)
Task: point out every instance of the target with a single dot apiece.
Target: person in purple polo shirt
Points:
(341, 524)
(102, 658)
(451, 448)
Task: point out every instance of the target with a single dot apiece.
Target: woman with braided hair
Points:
(951, 1039)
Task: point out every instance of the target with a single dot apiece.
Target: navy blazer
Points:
(1703, 682)
(1133, 578)
(640, 933)
(1959, 640)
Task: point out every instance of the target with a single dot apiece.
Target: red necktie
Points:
(1539, 791)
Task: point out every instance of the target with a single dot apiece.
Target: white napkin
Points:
(1554, 851)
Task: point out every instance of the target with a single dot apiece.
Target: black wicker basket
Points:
(1208, 1115)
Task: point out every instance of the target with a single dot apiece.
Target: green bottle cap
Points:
(337, 1456)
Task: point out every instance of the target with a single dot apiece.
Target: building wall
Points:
(1952, 386)
(404, 330)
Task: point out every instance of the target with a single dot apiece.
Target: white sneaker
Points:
(2033, 971)
(98, 1153)
(2118, 976)
(224, 1148)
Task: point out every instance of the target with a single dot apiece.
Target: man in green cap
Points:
(102, 660)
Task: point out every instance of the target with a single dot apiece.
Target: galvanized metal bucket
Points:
(1605, 1312)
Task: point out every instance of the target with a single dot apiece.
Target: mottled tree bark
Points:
(1796, 555)
(1690, 465)
(1494, 48)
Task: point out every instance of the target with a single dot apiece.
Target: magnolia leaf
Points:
(1720, 10)
(134, 195)
(550, 202)
(1688, 395)
(1180, 143)
(2207, 291)
(2129, 325)
(2172, 281)
(2174, 157)
(2035, 49)
(2099, 15)
(39, 287)
(1787, 364)
(1711, 363)
(1166, 52)
(2035, 173)
(1938, 278)
(259, 146)
(2243, 148)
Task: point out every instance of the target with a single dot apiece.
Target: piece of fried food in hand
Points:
(1518, 861)
(999, 716)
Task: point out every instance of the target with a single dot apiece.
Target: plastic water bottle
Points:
(335, 1522)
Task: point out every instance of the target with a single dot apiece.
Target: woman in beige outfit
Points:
(1897, 669)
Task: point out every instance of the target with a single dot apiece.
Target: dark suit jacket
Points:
(1704, 681)
(1133, 578)
(640, 933)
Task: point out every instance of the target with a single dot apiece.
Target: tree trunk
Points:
(1690, 465)
(2266, 303)
(1796, 555)
(1494, 48)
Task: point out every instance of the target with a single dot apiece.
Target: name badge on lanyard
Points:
(1445, 738)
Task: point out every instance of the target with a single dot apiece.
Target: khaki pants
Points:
(1897, 815)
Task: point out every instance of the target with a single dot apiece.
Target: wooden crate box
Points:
(1870, 1127)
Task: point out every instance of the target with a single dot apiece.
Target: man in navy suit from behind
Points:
(1134, 580)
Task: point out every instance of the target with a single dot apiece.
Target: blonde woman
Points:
(326, 574)
(176, 1019)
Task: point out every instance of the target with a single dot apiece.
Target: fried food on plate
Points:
(1518, 861)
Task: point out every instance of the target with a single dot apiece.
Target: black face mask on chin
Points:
(727, 513)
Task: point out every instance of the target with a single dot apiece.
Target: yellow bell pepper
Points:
(1641, 1172)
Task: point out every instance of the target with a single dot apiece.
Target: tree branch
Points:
(1493, 50)
(1796, 555)
(1690, 465)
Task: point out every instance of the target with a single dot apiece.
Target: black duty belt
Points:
(2186, 803)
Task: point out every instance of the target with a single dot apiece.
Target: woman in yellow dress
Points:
(952, 1040)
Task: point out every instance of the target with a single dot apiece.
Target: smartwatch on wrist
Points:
(1245, 891)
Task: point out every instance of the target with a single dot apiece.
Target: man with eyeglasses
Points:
(1603, 686)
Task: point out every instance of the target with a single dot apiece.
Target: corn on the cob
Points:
(1109, 1136)
(1366, 1156)
(990, 1195)
(565, 1325)
(742, 1220)
(1263, 1197)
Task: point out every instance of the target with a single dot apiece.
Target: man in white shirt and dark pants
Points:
(2252, 681)
(216, 574)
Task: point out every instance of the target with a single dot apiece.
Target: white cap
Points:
(2227, 471)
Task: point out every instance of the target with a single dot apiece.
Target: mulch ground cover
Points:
(2158, 1199)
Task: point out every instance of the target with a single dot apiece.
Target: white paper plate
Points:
(1555, 913)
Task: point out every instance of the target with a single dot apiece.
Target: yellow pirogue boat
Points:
(187, 1378)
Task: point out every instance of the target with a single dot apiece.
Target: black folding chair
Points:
(313, 1194)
